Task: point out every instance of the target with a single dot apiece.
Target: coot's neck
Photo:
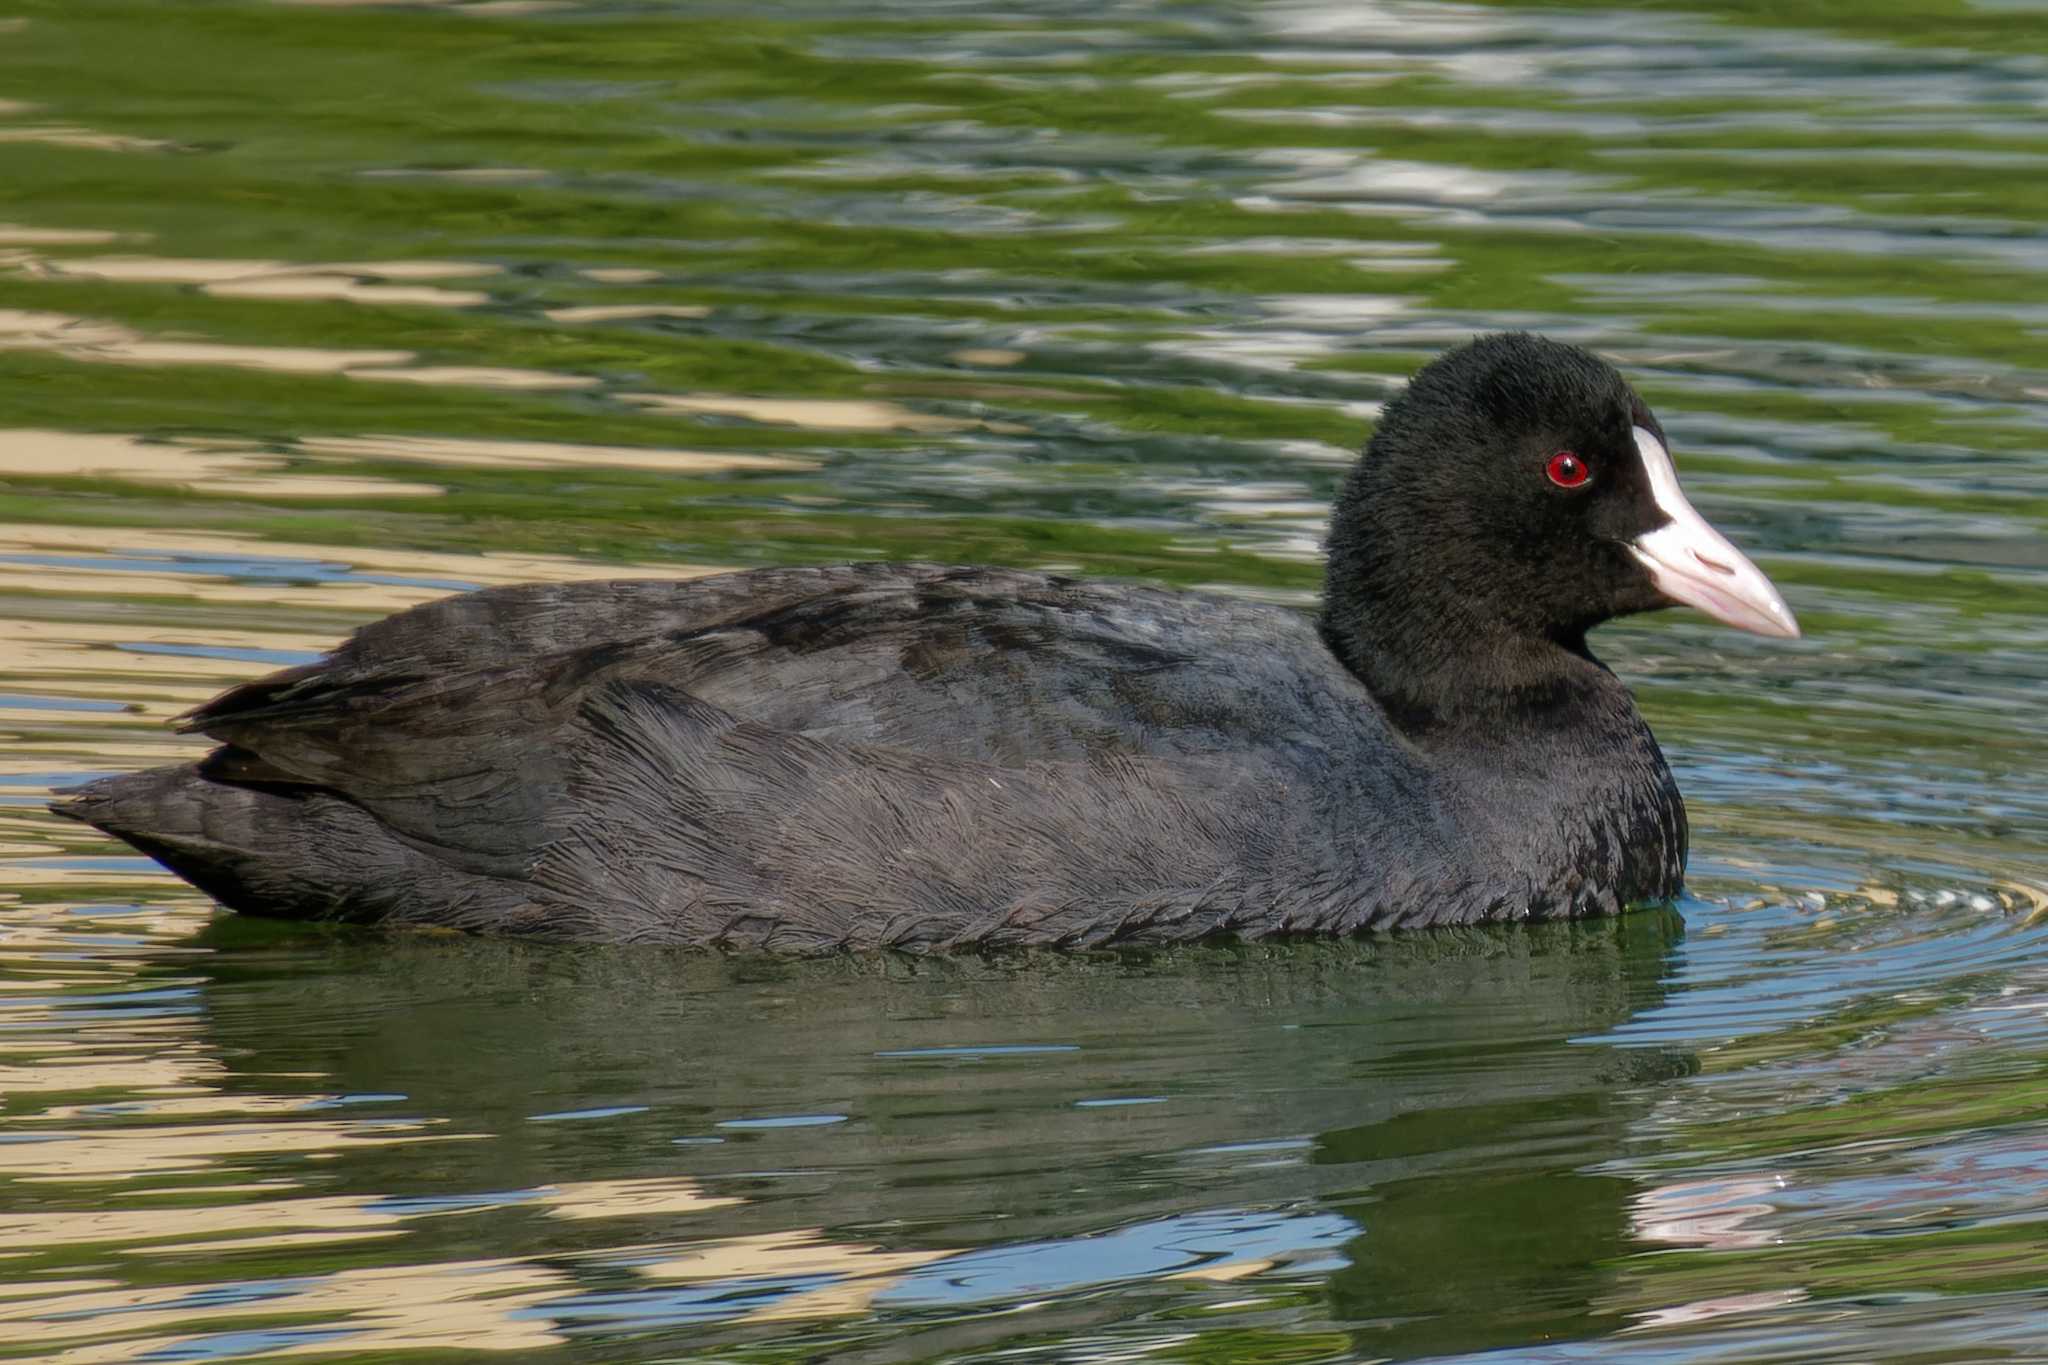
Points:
(1440, 656)
(1467, 677)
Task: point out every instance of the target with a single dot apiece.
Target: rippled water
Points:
(312, 311)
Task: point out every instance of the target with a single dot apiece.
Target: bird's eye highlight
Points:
(1567, 470)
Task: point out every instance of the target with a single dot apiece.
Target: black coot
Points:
(914, 756)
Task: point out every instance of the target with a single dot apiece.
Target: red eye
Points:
(1567, 470)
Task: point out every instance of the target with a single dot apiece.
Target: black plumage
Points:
(923, 757)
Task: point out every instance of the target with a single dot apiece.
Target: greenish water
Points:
(308, 312)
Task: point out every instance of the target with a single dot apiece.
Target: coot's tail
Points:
(298, 853)
(228, 841)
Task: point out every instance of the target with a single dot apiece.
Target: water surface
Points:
(309, 312)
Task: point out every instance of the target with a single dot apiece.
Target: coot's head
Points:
(1519, 492)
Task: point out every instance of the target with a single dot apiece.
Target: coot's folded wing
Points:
(452, 645)
(958, 663)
